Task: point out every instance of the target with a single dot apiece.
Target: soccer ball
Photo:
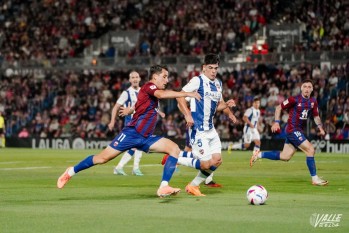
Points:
(257, 195)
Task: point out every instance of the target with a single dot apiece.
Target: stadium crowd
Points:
(34, 30)
(78, 104)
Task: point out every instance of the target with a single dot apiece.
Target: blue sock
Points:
(213, 168)
(273, 155)
(131, 152)
(205, 173)
(311, 165)
(84, 164)
(169, 168)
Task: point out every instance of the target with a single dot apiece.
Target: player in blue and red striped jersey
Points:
(139, 132)
(300, 108)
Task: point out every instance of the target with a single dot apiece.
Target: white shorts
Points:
(251, 135)
(205, 143)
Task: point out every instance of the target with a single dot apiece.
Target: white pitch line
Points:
(22, 168)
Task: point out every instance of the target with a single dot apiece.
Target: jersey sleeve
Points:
(123, 98)
(248, 112)
(288, 103)
(192, 85)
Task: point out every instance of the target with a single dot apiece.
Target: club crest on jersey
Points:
(312, 105)
(152, 87)
(299, 105)
(116, 143)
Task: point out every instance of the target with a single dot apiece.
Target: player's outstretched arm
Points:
(169, 94)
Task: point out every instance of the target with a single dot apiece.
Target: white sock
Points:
(71, 171)
(189, 162)
(188, 154)
(313, 178)
(209, 178)
(163, 184)
(198, 179)
(124, 160)
(237, 146)
(137, 158)
(256, 148)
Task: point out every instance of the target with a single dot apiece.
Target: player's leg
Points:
(127, 139)
(137, 159)
(2, 140)
(257, 140)
(164, 145)
(207, 147)
(309, 150)
(126, 157)
(91, 160)
(285, 155)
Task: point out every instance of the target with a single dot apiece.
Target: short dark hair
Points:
(156, 69)
(211, 58)
(256, 98)
(308, 80)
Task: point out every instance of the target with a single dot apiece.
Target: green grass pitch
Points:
(95, 200)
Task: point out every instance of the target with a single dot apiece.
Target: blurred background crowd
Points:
(78, 103)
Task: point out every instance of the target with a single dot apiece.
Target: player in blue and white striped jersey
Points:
(251, 119)
(205, 141)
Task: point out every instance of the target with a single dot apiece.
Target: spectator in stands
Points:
(24, 133)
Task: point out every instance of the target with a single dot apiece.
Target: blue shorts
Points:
(129, 138)
(295, 138)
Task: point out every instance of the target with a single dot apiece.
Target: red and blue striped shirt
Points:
(299, 109)
(145, 116)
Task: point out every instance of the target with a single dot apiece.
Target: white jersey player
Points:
(250, 133)
(127, 100)
(205, 141)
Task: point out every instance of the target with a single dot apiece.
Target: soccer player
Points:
(300, 108)
(126, 102)
(205, 141)
(187, 158)
(139, 132)
(2, 131)
(251, 119)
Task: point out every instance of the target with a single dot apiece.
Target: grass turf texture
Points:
(95, 200)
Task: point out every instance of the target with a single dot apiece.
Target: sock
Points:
(200, 177)
(273, 155)
(256, 148)
(3, 142)
(186, 154)
(124, 160)
(209, 179)
(169, 168)
(189, 162)
(238, 146)
(311, 165)
(84, 164)
(136, 159)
